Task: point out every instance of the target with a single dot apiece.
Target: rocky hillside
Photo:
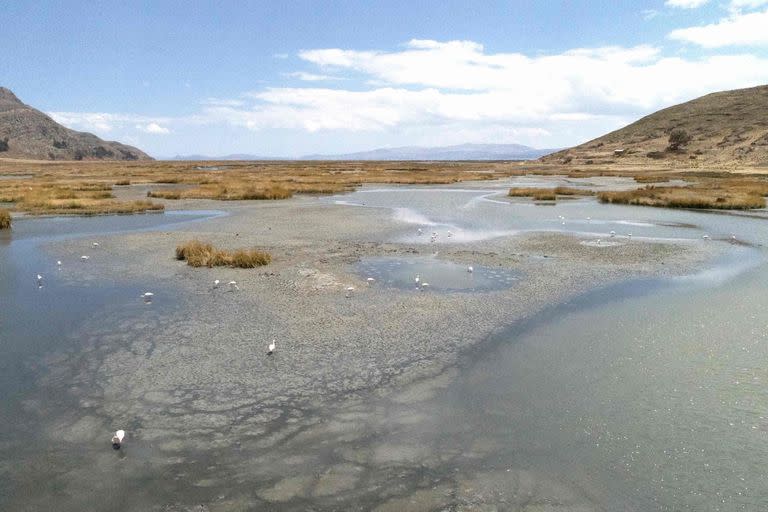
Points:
(723, 129)
(27, 133)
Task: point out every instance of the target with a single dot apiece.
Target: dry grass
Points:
(651, 178)
(547, 194)
(86, 187)
(224, 193)
(687, 197)
(41, 184)
(5, 219)
(202, 254)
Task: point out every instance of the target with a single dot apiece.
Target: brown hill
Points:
(28, 133)
(723, 129)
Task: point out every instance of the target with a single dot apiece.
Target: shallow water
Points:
(429, 274)
(484, 211)
(39, 317)
(648, 395)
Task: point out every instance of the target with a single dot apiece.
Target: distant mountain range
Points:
(27, 133)
(460, 152)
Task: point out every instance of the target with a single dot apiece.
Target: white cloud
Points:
(649, 14)
(452, 89)
(749, 29)
(153, 128)
(685, 4)
(310, 77)
(737, 6)
(103, 123)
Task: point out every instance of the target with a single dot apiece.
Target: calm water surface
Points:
(649, 395)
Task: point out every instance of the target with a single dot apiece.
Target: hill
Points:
(722, 129)
(27, 133)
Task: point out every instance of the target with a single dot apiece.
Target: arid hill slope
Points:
(726, 129)
(27, 133)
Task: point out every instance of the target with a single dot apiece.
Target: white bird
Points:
(613, 234)
(117, 439)
(147, 296)
(216, 283)
(470, 269)
(95, 244)
(589, 218)
(417, 279)
(420, 231)
(39, 277)
(598, 241)
(424, 286)
(58, 263)
(370, 280)
(705, 237)
(233, 286)
(85, 258)
(271, 348)
(450, 234)
(350, 289)
(629, 235)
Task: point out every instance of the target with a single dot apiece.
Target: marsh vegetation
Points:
(5, 219)
(547, 194)
(204, 254)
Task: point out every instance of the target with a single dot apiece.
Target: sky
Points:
(290, 78)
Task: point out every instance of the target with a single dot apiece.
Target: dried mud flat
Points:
(340, 417)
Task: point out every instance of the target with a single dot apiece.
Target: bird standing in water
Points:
(117, 439)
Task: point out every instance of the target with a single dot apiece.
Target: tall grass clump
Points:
(203, 254)
(687, 197)
(547, 194)
(5, 219)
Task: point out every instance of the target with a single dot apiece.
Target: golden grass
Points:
(651, 178)
(85, 187)
(5, 219)
(687, 197)
(547, 194)
(224, 193)
(202, 254)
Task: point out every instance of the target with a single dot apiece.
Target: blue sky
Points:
(291, 78)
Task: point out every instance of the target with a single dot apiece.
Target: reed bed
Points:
(203, 254)
(5, 219)
(547, 194)
(687, 197)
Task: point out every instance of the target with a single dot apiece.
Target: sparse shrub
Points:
(4, 144)
(102, 152)
(203, 254)
(60, 144)
(122, 183)
(656, 155)
(678, 138)
(5, 219)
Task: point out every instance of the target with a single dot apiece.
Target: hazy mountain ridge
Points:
(28, 133)
(458, 152)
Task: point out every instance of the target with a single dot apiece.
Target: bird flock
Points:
(119, 436)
